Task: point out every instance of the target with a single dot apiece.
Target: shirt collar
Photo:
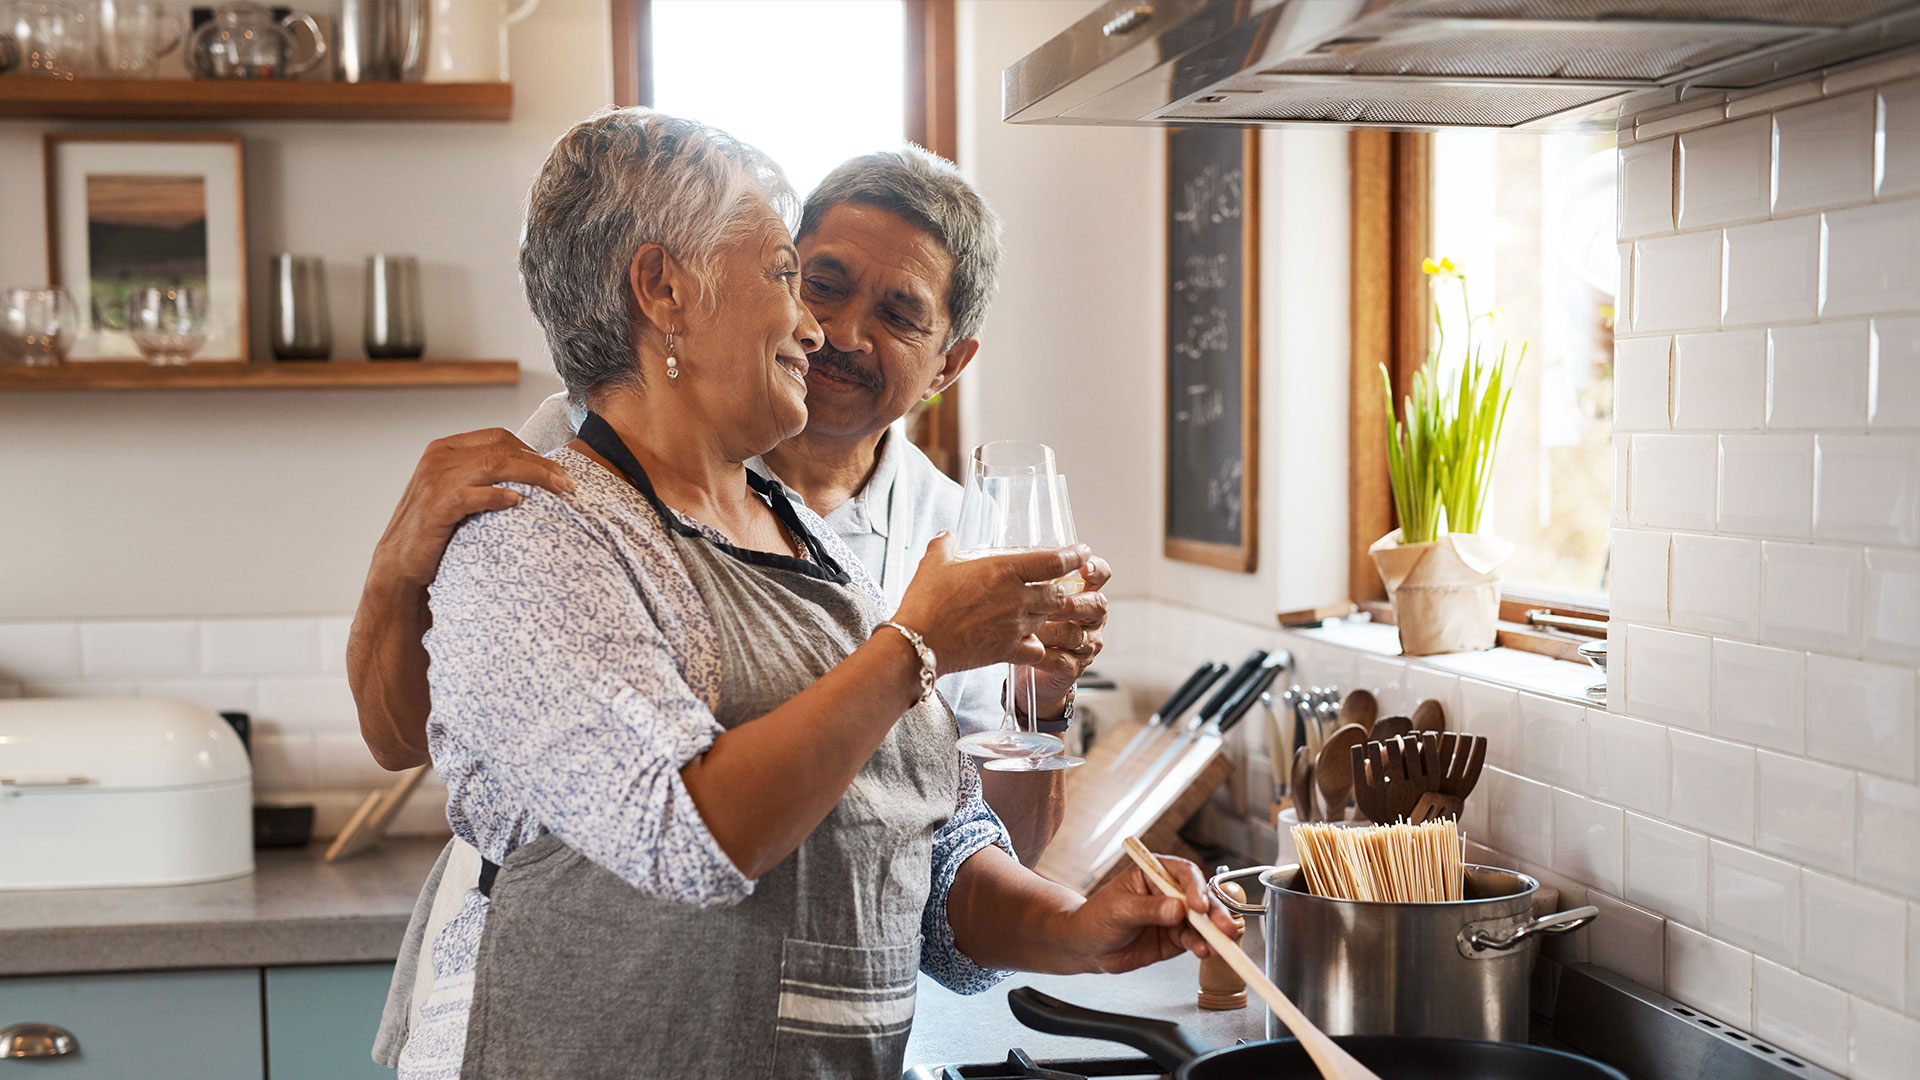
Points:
(871, 502)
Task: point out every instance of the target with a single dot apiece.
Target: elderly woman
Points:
(724, 816)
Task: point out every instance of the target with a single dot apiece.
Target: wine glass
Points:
(168, 323)
(37, 325)
(1020, 683)
(1010, 505)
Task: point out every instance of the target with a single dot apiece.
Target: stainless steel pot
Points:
(1457, 969)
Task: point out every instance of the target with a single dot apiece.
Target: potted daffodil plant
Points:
(1441, 571)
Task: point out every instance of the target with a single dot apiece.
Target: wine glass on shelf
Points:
(1021, 688)
(1011, 504)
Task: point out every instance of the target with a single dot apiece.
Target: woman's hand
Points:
(1128, 924)
(976, 612)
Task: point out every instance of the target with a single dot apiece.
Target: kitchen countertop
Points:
(949, 1028)
(293, 909)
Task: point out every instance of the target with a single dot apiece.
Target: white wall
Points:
(267, 503)
(1073, 350)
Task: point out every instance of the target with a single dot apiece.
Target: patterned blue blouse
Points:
(543, 616)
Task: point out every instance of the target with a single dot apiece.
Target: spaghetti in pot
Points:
(1396, 864)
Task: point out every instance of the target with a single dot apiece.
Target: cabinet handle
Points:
(36, 1041)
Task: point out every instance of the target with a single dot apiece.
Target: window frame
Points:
(1392, 229)
(932, 121)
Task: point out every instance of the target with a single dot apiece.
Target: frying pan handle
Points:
(1482, 939)
(1238, 907)
(1166, 1042)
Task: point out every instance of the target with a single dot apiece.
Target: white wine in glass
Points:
(1020, 681)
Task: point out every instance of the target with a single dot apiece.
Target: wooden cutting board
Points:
(1083, 856)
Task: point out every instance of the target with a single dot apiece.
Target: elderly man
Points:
(898, 259)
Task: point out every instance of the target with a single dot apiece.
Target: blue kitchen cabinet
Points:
(321, 1021)
(174, 1025)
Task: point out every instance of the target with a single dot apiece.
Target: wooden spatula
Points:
(1332, 1060)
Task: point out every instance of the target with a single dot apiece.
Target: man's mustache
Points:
(843, 365)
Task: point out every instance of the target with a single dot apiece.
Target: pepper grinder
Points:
(1220, 987)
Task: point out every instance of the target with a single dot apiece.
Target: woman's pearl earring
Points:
(673, 364)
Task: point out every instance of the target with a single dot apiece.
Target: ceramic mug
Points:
(467, 39)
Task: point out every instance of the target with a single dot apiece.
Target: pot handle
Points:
(1166, 1042)
(1238, 907)
(1481, 938)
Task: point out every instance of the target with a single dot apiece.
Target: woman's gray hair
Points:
(927, 190)
(616, 181)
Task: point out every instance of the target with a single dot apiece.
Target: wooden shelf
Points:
(312, 375)
(242, 99)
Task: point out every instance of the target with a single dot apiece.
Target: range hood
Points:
(1536, 65)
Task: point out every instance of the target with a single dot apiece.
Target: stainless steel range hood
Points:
(1540, 65)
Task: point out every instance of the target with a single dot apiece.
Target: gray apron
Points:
(581, 975)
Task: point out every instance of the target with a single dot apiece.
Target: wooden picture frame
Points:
(1237, 306)
(125, 199)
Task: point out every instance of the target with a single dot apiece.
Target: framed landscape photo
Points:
(127, 211)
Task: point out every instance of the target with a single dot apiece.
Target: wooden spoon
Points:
(1302, 786)
(1361, 708)
(1333, 769)
(1390, 727)
(1333, 1062)
(1429, 716)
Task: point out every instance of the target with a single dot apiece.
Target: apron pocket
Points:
(844, 1011)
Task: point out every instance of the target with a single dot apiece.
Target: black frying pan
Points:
(1394, 1057)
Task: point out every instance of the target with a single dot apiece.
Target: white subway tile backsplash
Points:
(1893, 605)
(1823, 154)
(1629, 761)
(1646, 188)
(1486, 709)
(260, 646)
(1637, 563)
(1627, 940)
(1676, 283)
(1716, 584)
(1666, 869)
(317, 703)
(1622, 449)
(1756, 902)
(1720, 381)
(333, 644)
(1771, 98)
(1888, 849)
(1766, 485)
(138, 648)
(341, 760)
(1894, 385)
(1800, 1015)
(220, 695)
(1885, 1044)
(282, 761)
(1589, 839)
(1713, 786)
(1866, 488)
(1773, 272)
(1899, 139)
(1553, 740)
(1817, 376)
(39, 650)
(1872, 72)
(1760, 695)
(1687, 118)
(1672, 676)
(1726, 173)
(1872, 264)
(1642, 382)
(1673, 481)
(1710, 975)
(1861, 714)
(1853, 937)
(1811, 596)
(1806, 812)
(1519, 815)
(1387, 679)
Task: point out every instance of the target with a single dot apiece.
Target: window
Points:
(812, 83)
(1530, 220)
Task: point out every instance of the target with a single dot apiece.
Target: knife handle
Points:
(1197, 683)
(1233, 685)
(1250, 693)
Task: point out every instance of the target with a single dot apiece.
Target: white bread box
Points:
(113, 792)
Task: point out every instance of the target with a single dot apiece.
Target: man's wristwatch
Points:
(1059, 723)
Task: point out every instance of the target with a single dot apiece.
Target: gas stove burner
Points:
(1020, 1066)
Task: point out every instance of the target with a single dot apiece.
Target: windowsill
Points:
(1504, 667)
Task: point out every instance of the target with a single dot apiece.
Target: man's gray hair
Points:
(927, 190)
(616, 181)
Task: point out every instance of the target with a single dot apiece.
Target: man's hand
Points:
(1128, 923)
(455, 479)
(1072, 638)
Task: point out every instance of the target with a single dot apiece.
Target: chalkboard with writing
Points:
(1212, 346)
